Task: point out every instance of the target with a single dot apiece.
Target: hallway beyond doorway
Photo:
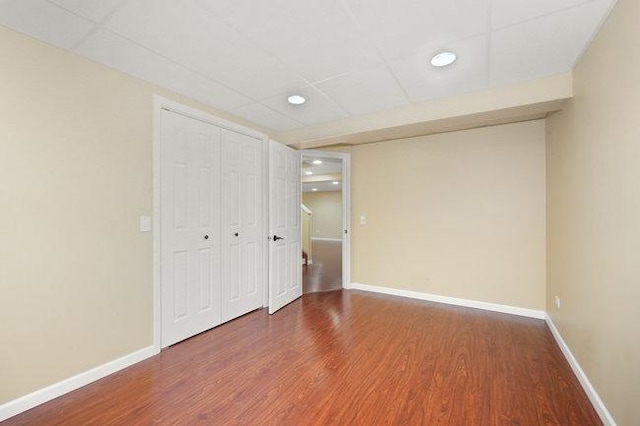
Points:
(325, 274)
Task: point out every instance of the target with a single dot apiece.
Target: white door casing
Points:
(285, 248)
(346, 207)
(242, 224)
(189, 226)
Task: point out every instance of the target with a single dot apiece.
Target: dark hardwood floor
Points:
(342, 358)
(325, 274)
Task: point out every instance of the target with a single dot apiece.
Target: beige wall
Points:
(327, 213)
(458, 214)
(305, 223)
(594, 214)
(75, 175)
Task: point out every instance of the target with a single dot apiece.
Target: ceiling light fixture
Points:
(443, 59)
(308, 173)
(335, 182)
(296, 99)
(316, 162)
(314, 189)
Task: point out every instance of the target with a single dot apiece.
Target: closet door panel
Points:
(242, 224)
(190, 243)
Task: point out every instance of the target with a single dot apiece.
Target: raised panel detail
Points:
(180, 198)
(293, 267)
(181, 283)
(204, 197)
(251, 267)
(232, 198)
(280, 258)
(204, 277)
(233, 283)
(251, 201)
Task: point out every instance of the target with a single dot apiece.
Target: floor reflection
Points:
(325, 273)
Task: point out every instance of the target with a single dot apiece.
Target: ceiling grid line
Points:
(98, 24)
(361, 64)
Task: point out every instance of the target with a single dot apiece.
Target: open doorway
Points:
(324, 220)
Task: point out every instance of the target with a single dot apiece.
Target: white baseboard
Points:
(593, 396)
(41, 396)
(327, 239)
(495, 307)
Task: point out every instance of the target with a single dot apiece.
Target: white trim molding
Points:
(593, 396)
(495, 307)
(43, 395)
(338, 240)
(346, 206)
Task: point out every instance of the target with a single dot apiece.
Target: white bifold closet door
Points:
(285, 248)
(190, 227)
(214, 237)
(243, 235)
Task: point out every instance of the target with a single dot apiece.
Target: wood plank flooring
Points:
(325, 274)
(342, 358)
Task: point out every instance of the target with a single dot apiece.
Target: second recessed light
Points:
(443, 59)
(296, 99)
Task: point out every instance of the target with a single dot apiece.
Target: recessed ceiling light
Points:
(443, 59)
(335, 182)
(308, 173)
(316, 162)
(296, 99)
(314, 189)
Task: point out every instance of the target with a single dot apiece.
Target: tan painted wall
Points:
(458, 214)
(594, 214)
(75, 175)
(327, 213)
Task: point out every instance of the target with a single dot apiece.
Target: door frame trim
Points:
(346, 206)
(160, 103)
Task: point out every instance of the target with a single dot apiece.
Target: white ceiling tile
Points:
(544, 46)
(247, 69)
(96, 10)
(45, 21)
(190, 35)
(266, 117)
(280, 21)
(317, 108)
(331, 54)
(121, 54)
(248, 53)
(371, 90)
(402, 27)
(317, 39)
(173, 27)
(422, 82)
(509, 12)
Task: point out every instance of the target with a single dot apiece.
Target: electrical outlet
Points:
(145, 223)
(557, 300)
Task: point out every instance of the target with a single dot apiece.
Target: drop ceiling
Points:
(323, 177)
(349, 58)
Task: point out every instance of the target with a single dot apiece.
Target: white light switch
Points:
(145, 223)
(363, 220)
